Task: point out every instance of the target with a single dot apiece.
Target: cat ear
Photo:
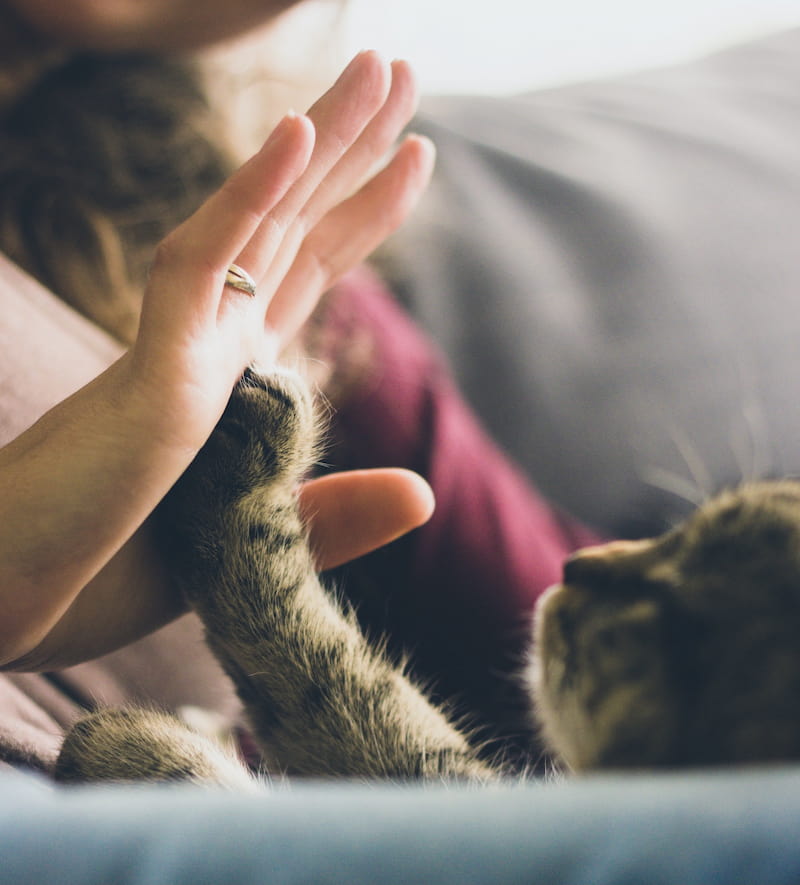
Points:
(606, 561)
(622, 564)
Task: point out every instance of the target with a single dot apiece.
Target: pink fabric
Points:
(47, 351)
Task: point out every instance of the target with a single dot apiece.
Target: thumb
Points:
(352, 513)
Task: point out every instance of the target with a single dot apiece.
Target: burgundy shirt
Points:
(456, 594)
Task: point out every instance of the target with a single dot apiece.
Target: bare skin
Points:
(119, 25)
(78, 573)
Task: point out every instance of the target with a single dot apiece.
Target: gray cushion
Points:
(614, 270)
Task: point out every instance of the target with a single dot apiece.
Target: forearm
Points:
(73, 490)
(128, 598)
(131, 594)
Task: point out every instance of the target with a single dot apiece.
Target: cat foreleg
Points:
(322, 700)
(135, 745)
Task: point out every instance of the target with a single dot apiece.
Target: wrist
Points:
(158, 415)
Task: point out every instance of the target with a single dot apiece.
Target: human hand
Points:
(79, 485)
(295, 218)
(352, 513)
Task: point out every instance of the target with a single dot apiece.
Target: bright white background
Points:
(503, 45)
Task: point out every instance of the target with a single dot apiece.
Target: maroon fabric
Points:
(459, 592)
(492, 535)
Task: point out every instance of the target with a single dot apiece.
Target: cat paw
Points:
(268, 431)
(266, 439)
(135, 745)
(261, 448)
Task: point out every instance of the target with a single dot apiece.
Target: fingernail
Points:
(359, 56)
(281, 130)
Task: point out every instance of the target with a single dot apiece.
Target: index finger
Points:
(195, 257)
(339, 117)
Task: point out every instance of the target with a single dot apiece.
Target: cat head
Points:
(681, 650)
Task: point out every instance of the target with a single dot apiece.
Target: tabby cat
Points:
(676, 651)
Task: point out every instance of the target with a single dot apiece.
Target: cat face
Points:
(680, 650)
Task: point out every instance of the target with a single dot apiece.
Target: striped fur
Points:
(321, 700)
(682, 650)
(676, 651)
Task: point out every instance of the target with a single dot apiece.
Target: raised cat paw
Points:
(265, 440)
(267, 433)
(245, 475)
(272, 417)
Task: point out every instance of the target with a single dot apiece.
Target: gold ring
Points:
(238, 278)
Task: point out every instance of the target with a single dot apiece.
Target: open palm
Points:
(296, 216)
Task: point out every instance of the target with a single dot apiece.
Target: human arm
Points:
(81, 482)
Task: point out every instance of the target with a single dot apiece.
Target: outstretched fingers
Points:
(371, 147)
(295, 217)
(349, 233)
(191, 262)
(339, 118)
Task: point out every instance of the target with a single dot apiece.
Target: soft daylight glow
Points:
(471, 46)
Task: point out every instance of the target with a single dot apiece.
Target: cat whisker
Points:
(674, 484)
(700, 474)
(752, 451)
(695, 486)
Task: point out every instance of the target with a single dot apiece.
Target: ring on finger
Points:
(238, 278)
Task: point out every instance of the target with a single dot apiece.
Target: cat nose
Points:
(593, 564)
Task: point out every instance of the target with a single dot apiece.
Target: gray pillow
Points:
(614, 270)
